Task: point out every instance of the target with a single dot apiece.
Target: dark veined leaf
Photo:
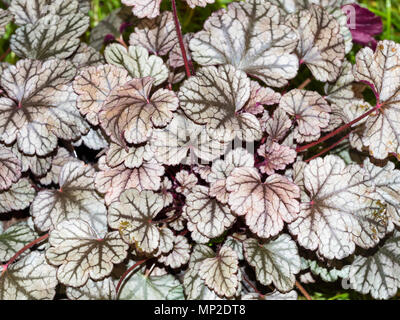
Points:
(82, 253)
(75, 198)
(94, 290)
(51, 36)
(211, 217)
(137, 61)
(130, 113)
(259, 97)
(57, 162)
(386, 182)
(267, 205)
(276, 157)
(379, 273)
(10, 168)
(39, 106)
(221, 273)
(339, 209)
(5, 18)
(144, 8)
(113, 181)
(142, 287)
(39, 166)
(15, 238)
(182, 141)
(321, 46)
(291, 6)
(179, 255)
(157, 35)
(30, 278)
(221, 170)
(29, 12)
(86, 56)
(381, 134)
(214, 97)
(249, 36)
(131, 157)
(133, 216)
(186, 180)
(18, 197)
(195, 287)
(310, 111)
(93, 85)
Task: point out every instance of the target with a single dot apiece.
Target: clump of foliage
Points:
(150, 164)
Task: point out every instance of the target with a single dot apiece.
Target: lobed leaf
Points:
(249, 36)
(266, 205)
(81, 253)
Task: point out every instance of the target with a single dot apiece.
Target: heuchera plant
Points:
(215, 173)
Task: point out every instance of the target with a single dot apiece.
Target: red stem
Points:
(29, 245)
(180, 38)
(303, 291)
(5, 54)
(338, 130)
(328, 148)
(127, 272)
